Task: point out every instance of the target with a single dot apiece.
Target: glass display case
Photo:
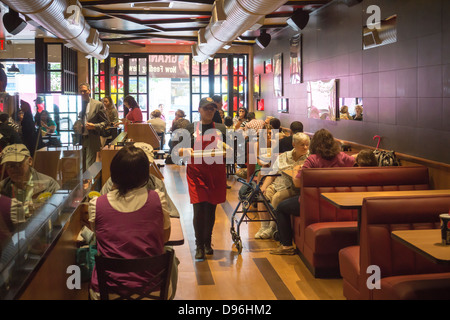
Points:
(25, 246)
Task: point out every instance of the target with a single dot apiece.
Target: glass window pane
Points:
(95, 62)
(55, 81)
(217, 66)
(113, 84)
(205, 68)
(195, 68)
(143, 66)
(224, 84)
(225, 102)
(196, 84)
(195, 101)
(224, 65)
(132, 84)
(120, 66)
(142, 102)
(102, 84)
(54, 56)
(113, 65)
(120, 85)
(205, 85)
(96, 84)
(119, 102)
(217, 85)
(142, 84)
(195, 116)
(133, 66)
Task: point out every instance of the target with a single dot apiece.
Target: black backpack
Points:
(386, 158)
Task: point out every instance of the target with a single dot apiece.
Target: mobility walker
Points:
(250, 194)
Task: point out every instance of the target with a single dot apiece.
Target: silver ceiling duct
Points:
(230, 19)
(64, 19)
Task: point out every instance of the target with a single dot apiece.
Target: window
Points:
(116, 75)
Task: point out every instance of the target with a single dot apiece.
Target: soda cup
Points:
(445, 228)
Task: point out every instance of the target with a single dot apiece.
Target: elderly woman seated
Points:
(279, 188)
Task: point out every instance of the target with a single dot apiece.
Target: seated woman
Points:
(159, 125)
(48, 130)
(263, 152)
(134, 114)
(241, 119)
(278, 188)
(129, 221)
(325, 152)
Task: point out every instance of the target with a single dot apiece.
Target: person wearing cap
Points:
(40, 106)
(206, 180)
(94, 119)
(24, 183)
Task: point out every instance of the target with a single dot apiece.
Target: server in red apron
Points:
(206, 177)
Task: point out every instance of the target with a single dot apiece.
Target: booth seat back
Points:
(327, 224)
(381, 216)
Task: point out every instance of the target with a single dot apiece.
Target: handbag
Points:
(106, 132)
(86, 261)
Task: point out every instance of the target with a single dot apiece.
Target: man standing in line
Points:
(93, 118)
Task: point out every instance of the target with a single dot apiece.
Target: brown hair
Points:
(129, 169)
(131, 102)
(366, 158)
(324, 145)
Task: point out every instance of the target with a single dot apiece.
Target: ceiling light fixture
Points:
(13, 69)
(298, 20)
(264, 39)
(13, 23)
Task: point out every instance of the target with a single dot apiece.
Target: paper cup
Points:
(445, 228)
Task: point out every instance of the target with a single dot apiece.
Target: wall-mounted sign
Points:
(2, 44)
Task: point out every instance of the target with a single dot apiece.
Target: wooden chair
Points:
(156, 289)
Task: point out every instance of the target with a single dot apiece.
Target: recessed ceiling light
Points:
(149, 5)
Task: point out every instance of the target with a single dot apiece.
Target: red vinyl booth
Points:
(405, 274)
(322, 230)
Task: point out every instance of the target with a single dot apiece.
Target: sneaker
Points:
(258, 234)
(200, 253)
(267, 233)
(208, 249)
(283, 251)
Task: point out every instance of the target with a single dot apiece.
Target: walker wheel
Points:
(238, 245)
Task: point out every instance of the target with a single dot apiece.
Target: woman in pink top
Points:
(325, 153)
(134, 114)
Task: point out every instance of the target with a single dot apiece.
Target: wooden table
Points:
(176, 233)
(425, 242)
(354, 200)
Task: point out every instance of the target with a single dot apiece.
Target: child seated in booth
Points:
(366, 158)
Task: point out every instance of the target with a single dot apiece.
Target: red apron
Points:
(206, 182)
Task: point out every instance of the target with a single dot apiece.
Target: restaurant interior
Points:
(374, 73)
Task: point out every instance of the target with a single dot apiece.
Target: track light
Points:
(13, 23)
(264, 39)
(298, 20)
(13, 69)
